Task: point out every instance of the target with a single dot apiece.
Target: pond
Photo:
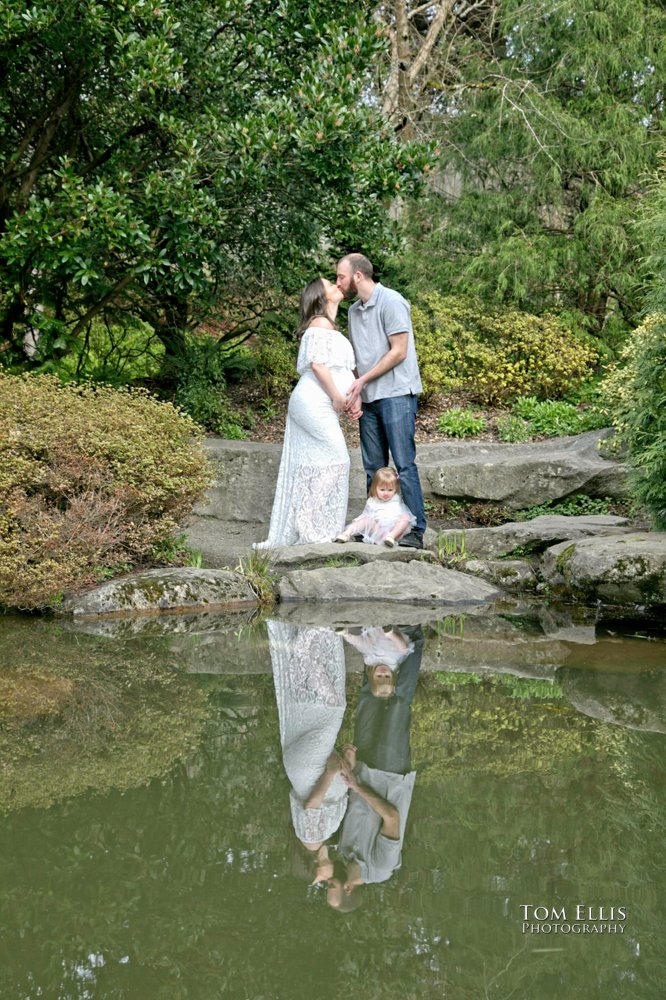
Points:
(176, 820)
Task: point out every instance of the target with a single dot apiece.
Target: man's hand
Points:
(354, 394)
(355, 413)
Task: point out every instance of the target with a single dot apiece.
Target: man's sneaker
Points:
(412, 540)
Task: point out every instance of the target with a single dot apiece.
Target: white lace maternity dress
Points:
(313, 481)
(309, 676)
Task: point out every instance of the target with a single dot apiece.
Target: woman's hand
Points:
(354, 410)
(339, 403)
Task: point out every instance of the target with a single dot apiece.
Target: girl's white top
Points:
(384, 514)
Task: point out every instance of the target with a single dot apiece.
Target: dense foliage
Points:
(635, 395)
(549, 114)
(163, 162)
(91, 480)
(496, 355)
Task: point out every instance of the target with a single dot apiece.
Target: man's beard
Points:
(352, 291)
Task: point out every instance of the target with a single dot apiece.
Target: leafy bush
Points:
(635, 398)
(91, 480)
(461, 423)
(116, 354)
(276, 358)
(496, 355)
(574, 506)
(552, 418)
(512, 429)
(202, 381)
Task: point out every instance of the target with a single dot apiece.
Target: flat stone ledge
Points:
(351, 554)
(516, 475)
(414, 582)
(158, 591)
(492, 543)
(519, 475)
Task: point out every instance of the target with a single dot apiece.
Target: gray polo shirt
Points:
(361, 838)
(371, 324)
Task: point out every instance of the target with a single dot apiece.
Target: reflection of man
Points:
(388, 383)
(381, 783)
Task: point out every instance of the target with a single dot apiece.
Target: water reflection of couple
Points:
(365, 789)
(377, 382)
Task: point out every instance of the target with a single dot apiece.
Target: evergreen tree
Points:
(550, 118)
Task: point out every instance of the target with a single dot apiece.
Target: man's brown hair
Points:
(358, 262)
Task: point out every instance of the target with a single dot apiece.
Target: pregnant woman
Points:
(313, 481)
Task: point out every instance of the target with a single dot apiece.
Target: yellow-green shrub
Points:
(634, 397)
(91, 479)
(496, 355)
(276, 356)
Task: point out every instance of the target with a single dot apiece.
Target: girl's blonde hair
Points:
(384, 477)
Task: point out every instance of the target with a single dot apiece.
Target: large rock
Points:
(414, 583)
(537, 534)
(160, 590)
(517, 475)
(617, 569)
(520, 475)
(245, 474)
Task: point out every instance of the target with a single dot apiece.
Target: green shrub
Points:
(91, 480)
(116, 354)
(553, 418)
(574, 506)
(496, 355)
(461, 423)
(439, 363)
(201, 391)
(512, 429)
(276, 359)
(634, 395)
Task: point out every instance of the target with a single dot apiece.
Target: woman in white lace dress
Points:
(313, 481)
(309, 677)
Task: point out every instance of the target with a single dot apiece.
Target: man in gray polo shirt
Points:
(381, 782)
(388, 382)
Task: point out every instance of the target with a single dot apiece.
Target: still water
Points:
(338, 803)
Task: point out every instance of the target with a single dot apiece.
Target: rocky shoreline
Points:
(590, 560)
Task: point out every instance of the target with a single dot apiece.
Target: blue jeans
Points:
(388, 425)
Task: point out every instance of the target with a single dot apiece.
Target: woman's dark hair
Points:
(313, 303)
(303, 862)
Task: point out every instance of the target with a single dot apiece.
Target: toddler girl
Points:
(385, 518)
(382, 652)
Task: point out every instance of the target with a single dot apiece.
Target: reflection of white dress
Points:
(313, 482)
(309, 676)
